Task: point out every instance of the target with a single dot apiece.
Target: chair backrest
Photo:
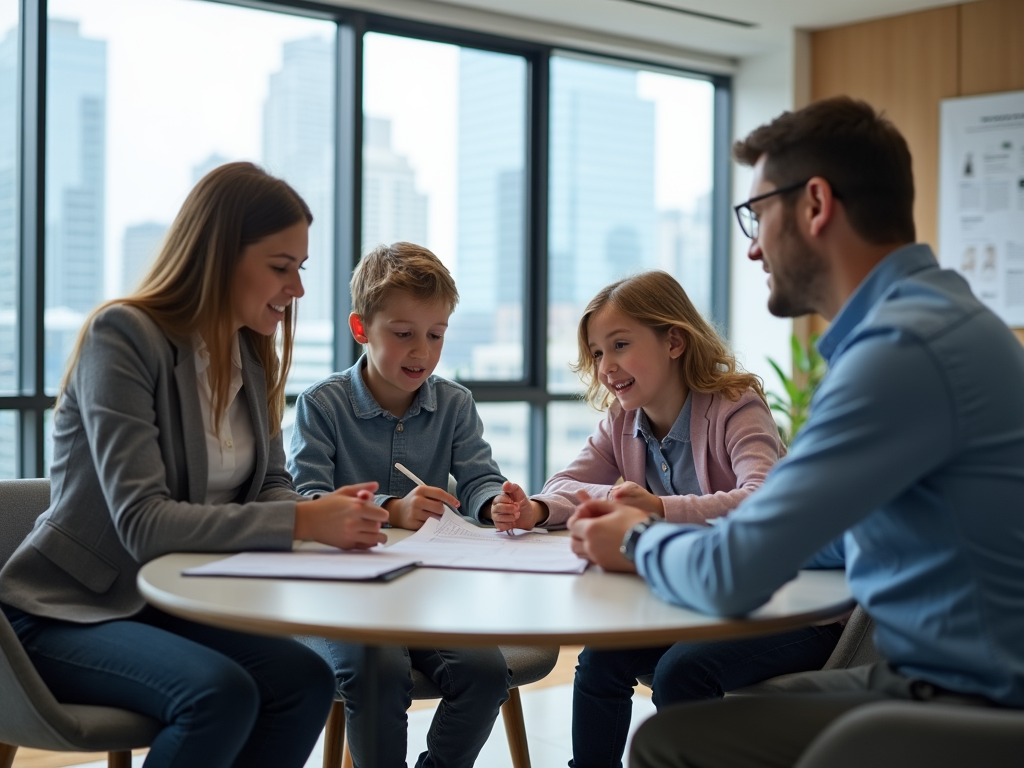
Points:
(21, 502)
(855, 646)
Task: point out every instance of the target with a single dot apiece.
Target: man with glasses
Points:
(909, 471)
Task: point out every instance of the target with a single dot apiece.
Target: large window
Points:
(444, 164)
(133, 121)
(537, 176)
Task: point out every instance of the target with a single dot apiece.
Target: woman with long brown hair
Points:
(167, 437)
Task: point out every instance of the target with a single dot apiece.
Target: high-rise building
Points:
(141, 242)
(298, 146)
(8, 214)
(76, 111)
(485, 337)
(684, 249)
(393, 209)
(603, 221)
(76, 116)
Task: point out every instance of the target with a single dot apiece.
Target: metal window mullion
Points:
(536, 277)
(721, 197)
(31, 232)
(348, 137)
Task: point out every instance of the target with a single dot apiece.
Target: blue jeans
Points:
(603, 690)
(227, 698)
(474, 683)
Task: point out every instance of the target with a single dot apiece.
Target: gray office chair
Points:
(854, 648)
(30, 716)
(528, 665)
(897, 734)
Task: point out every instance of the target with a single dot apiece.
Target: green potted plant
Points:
(794, 403)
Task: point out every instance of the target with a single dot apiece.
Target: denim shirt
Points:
(910, 471)
(669, 469)
(343, 436)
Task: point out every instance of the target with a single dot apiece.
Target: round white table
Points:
(432, 607)
(443, 608)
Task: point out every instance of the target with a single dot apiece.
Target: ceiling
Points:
(736, 29)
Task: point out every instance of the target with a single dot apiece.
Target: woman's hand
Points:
(346, 518)
(419, 505)
(512, 509)
(632, 494)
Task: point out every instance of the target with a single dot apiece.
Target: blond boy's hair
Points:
(400, 267)
(656, 300)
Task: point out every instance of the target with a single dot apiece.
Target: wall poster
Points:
(981, 198)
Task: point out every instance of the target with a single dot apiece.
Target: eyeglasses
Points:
(746, 216)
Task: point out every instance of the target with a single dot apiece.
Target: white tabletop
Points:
(431, 606)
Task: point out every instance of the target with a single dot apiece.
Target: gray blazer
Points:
(129, 476)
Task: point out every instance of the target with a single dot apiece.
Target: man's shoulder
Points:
(926, 307)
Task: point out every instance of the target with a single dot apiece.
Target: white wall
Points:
(763, 87)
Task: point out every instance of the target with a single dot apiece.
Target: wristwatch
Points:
(628, 546)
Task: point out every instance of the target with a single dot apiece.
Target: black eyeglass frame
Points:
(753, 218)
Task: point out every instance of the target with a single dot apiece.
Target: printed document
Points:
(332, 564)
(454, 542)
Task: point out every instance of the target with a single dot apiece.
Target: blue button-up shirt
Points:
(343, 436)
(915, 449)
(669, 469)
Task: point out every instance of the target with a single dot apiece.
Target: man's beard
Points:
(795, 281)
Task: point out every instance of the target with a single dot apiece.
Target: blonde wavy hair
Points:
(656, 299)
(188, 288)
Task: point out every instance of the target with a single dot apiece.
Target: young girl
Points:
(687, 437)
(167, 437)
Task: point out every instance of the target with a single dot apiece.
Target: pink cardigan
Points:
(734, 445)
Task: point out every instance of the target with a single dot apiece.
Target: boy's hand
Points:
(632, 494)
(346, 518)
(419, 505)
(598, 528)
(512, 509)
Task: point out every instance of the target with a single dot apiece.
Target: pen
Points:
(408, 473)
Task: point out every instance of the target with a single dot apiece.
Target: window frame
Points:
(31, 402)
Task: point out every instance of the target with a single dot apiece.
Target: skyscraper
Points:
(8, 211)
(139, 248)
(76, 107)
(485, 338)
(298, 146)
(393, 209)
(603, 220)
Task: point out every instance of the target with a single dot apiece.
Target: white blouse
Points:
(231, 448)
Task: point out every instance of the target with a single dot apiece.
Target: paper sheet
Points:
(324, 565)
(454, 542)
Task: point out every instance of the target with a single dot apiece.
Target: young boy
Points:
(353, 427)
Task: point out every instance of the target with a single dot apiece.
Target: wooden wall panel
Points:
(991, 47)
(904, 65)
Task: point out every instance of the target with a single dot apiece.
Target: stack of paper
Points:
(454, 542)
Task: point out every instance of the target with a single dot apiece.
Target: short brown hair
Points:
(857, 150)
(400, 267)
(657, 300)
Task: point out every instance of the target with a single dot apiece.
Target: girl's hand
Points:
(346, 518)
(419, 505)
(512, 509)
(632, 494)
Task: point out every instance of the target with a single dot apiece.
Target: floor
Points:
(547, 709)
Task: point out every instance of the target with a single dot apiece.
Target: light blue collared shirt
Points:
(343, 436)
(915, 449)
(669, 469)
